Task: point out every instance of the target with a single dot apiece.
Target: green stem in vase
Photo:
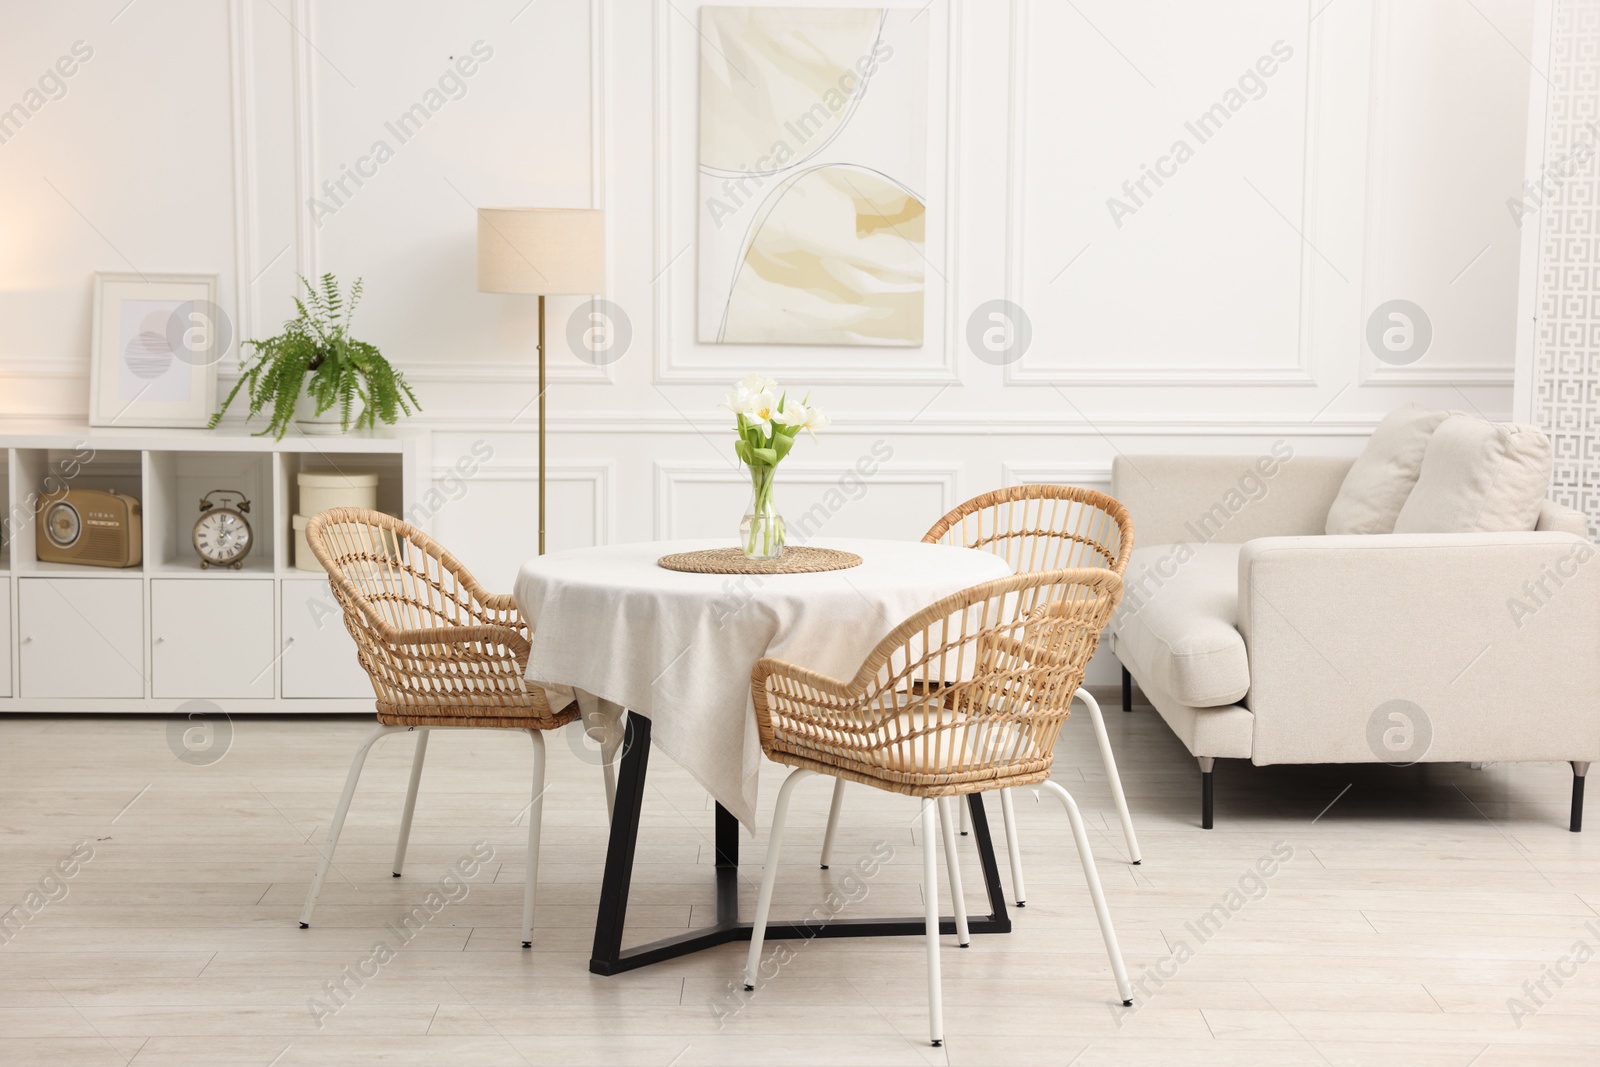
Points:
(762, 485)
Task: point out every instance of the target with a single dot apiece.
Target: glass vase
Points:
(761, 532)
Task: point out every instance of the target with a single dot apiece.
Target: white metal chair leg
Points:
(1092, 876)
(1013, 848)
(530, 886)
(930, 898)
(411, 801)
(966, 816)
(952, 863)
(338, 817)
(758, 930)
(1112, 776)
(833, 820)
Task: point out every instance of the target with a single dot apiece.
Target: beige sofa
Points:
(1257, 636)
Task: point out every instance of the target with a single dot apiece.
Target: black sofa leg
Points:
(1207, 765)
(1127, 690)
(1580, 770)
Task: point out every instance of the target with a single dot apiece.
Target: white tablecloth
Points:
(617, 631)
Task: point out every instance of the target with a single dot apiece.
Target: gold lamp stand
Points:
(549, 252)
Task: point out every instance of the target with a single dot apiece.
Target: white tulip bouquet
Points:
(768, 424)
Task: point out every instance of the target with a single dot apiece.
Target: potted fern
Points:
(312, 373)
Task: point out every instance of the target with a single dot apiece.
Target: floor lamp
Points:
(547, 251)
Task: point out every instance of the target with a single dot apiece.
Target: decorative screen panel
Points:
(1566, 370)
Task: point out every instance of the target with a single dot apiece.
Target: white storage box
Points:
(304, 558)
(319, 492)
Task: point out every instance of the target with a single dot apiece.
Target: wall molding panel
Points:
(1441, 374)
(669, 477)
(1299, 372)
(13, 369)
(305, 136)
(599, 474)
(1088, 475)
(1390, 137)
(241, 32)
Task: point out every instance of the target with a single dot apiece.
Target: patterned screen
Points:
(1566, 387)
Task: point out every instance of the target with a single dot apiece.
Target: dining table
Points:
(661, 658)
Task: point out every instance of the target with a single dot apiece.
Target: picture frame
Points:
(155, 343)
(813, 188)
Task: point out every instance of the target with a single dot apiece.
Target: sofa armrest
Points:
(1200, 499)
(1492, 639)
(1558, 518)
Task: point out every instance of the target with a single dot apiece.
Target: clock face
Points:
(222, 536)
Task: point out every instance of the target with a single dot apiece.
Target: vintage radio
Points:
(97, 527)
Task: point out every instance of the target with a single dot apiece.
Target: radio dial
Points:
(63, 525)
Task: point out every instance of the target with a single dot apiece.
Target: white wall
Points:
(1226, 312)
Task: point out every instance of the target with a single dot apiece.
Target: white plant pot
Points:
(308, 421)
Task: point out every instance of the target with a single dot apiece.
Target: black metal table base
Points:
(609, 957)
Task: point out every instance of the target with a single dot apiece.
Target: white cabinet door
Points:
(319, 655)
(81, 637)
(211, 638)
(5, 636)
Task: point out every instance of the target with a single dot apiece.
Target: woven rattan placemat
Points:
(795, 560)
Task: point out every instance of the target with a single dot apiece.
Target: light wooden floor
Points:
(1411, 911)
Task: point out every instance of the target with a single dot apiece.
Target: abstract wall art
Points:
(813, 169)
(156, 340)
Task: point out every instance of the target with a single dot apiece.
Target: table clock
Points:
(222, 535)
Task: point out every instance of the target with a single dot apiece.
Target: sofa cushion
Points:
(1383, 475)
(1479, 477)
(1175, 627)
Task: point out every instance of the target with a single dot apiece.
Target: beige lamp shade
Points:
(551, 251)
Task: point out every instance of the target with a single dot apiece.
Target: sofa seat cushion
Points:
(1176, 627)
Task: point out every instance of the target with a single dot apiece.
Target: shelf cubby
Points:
(175, 483)
(35, 473)
(390, 470)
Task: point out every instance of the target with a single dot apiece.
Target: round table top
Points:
(618, 631)
(888, 566)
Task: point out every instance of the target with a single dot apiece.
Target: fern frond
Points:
(315, 356)
(330, 296)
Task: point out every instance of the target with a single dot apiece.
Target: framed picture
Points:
(156, 342)
(813, 175)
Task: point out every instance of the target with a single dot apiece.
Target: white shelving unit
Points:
(267, 638)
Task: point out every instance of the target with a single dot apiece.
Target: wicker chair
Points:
(440, 652)
(1034, 528)
(966, 696)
